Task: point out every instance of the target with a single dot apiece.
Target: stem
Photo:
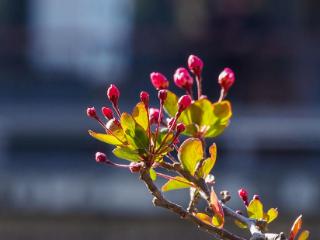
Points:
(223, 94)
(158, 126)
(116, 109)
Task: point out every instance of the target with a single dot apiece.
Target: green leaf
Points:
(272, 214)
(114, 126)
(209, 162)
(204, 218)
(153, 174)
(176, 183)
(304, 235)
(171, 104)
(218, 221)
(190, 153)
(140, 115)
(106, 138)
(255, 209)
(135, 134)
(127, 154)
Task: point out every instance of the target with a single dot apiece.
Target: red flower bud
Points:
(256, 197)
(195, 64)
(144, 97)
(107, 112)
(91, 112)
(113, 94)
(184, 102)
(243, 194)
(162, 95)
(100, 157)
(135, 167)
(180, 127)
(159, 81)
(153, 115)
(182, 78)
(226, 79)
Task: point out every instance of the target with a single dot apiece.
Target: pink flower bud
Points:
(180, 127)
(184, 102)
(144, 97)
(153, 115)
(159, 81)
(226, 79)
(113, 94)
(243, 194)
(100, 157)
(135, 167)
(107, 112)
(195, 64)
(91, 112)
(182, 78)
(162, 95)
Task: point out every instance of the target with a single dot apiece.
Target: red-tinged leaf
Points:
(255, 209)
(218, 218)
(304, 235)
(204, 218)
(295, 228)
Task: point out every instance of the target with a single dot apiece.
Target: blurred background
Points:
(58, 57)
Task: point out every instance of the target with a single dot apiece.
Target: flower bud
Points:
(135, 167)
(180, 128)
(226, 79)
(144, 97)
(100, 157)
(159, 81)
(243, 194)
(195, 65)
(162, 95)
(91, 112)
(153, 115)
(107, 112)
(184, 102)
(182, 78)
(113, 94)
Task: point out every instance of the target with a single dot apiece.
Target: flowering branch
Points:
(148, 141)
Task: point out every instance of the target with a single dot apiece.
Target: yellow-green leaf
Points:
(127, 154)
(190, 153)
(171, 104)
(176, 183)
(272, 215)
(255, 209)
(209, 162)
(295, 228)
(204, 218)
(106, 138)
(140, 115)
(304, 235)
(153, 174)
(218, 220)
(222, 113)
